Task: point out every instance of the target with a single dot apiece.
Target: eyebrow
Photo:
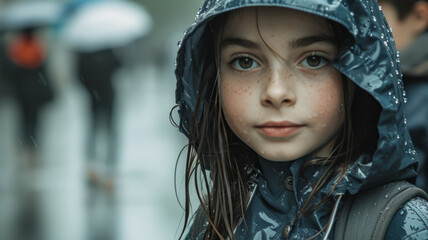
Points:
(306, 41)
(240, 42)
(298, 43)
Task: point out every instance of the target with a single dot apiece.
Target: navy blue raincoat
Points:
(369, 58)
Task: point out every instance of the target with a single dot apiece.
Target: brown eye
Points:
(314, 62)
(244, 63)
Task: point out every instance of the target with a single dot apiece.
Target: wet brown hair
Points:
(224, 192)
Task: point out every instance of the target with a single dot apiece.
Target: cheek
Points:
(328, 104)
(234, 100)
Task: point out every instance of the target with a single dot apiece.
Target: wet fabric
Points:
(369, 58)
(410, 222)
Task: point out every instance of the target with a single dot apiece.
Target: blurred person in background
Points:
(96, 69)
(408, 20)
(4, 86)
(25, 71)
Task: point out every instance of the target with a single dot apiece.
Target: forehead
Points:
(279, 20)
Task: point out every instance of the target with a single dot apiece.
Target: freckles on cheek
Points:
(234, 102)
(328, 106)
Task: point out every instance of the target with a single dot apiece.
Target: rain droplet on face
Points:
(387, 195)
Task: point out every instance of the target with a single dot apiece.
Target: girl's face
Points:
(280, 94)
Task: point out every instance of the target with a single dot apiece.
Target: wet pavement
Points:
(48, 197)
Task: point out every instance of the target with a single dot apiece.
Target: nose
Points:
(279, 89)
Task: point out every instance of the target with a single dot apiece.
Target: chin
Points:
(280, 157)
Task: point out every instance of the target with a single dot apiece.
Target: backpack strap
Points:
(368, 214)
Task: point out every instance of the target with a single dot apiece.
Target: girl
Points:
(289, 105)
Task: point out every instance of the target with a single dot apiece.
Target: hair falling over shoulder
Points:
(223, 193)
(213, 146)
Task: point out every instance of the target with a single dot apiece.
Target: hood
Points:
(369, 58)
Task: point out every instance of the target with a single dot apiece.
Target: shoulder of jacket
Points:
(368, 214)
(410, 221)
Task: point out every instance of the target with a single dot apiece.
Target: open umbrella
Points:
(105, 24)
(23, 14)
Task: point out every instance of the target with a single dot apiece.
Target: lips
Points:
(279, 129)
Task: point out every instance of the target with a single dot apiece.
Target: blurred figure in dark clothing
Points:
(4, 84)
(409, 22)
(26, 73)
(96, 70)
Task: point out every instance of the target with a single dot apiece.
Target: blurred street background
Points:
(69, 175)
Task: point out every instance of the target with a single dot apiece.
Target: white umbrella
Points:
(105, 24)
(36, 13)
